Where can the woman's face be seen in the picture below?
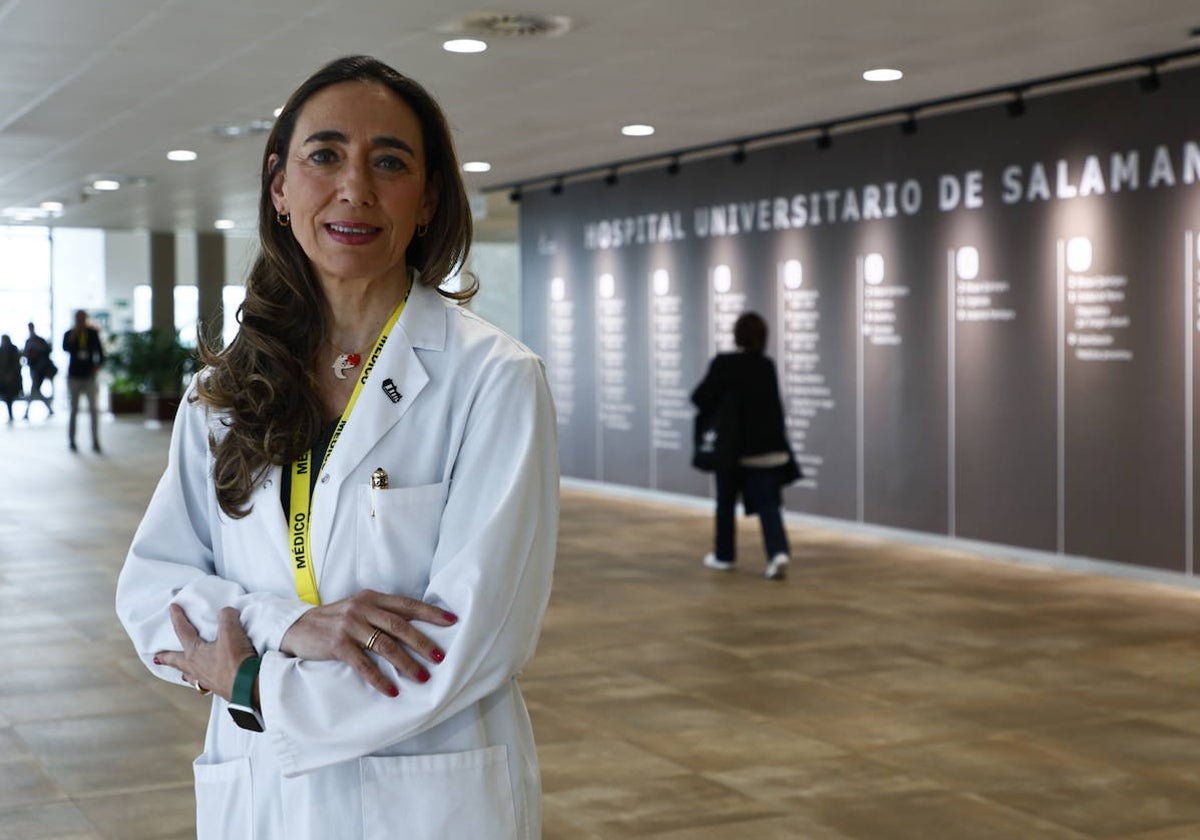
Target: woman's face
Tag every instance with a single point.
(354, 182)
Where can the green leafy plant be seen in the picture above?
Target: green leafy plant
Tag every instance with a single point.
(150, 361)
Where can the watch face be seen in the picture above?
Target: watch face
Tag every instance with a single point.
(246, 718)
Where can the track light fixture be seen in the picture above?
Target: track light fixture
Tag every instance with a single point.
(1016, 106)
(1144, 70)
(1150, 82)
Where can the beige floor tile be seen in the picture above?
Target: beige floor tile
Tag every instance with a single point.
(586, 763)
(27, 708)
(557, 826)
(11, 745)
(867, 729)
(934, 814)
(57, 739)
(773, 828)
(153, 815)
(60, 678)
(1144, 746)
(664, 713)
(50, 821)
(641, 807)
(1179, 832)
(882, 692)
(1053, 780)
(748, 745)
(801, 784)
(1128, 805)
(120, 771)
(24, 782)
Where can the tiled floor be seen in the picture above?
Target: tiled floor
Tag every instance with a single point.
(883, 692)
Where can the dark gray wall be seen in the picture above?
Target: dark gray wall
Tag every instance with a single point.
(991, 333)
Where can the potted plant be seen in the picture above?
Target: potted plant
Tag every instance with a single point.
(151, 365)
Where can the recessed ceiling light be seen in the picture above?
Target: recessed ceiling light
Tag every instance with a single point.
(52, 206)
(181, 154)
(464, 45)
(224, 224)
(637, 130)
(883, 74)
(106, 184)
(477, 166)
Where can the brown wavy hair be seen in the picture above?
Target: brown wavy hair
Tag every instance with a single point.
(263, 383)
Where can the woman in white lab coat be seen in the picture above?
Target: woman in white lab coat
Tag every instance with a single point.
(353, 541)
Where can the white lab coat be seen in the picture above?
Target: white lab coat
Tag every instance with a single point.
(469, 523)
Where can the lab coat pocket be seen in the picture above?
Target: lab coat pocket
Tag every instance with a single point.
(224, 804)
(434, 797)
(397, 535)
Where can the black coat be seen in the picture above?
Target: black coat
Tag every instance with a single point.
(748, 379)
(86, 356)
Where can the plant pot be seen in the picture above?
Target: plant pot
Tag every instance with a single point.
(126, 403)
(162, 407)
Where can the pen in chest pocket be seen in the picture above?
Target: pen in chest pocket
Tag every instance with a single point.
(379, 481)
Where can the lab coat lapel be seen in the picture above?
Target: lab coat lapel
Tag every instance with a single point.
(268, 509)
(393, 384)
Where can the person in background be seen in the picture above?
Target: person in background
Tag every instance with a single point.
(10, 373)
(764, 462)
(82, 344)
(41, 369)
(353, 543)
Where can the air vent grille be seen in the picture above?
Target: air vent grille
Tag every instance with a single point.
(512, 25)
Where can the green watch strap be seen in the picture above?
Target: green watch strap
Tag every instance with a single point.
(243, 683)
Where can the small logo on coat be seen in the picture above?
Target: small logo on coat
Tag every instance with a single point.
(389, 388)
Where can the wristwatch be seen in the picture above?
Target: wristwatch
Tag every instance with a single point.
(241, 703)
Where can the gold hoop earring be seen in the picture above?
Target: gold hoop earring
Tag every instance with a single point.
(284, 219)
(422, 230)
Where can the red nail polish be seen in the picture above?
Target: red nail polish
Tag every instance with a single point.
(422, 676)
(157, 661)
(393, 691)
(449, 616)
(436, 655)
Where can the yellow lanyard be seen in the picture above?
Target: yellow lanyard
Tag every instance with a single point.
(301, 499)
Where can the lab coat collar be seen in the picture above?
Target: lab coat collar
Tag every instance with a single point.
(392, 386)
(424, 318)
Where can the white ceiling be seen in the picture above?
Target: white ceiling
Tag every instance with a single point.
(107, 87)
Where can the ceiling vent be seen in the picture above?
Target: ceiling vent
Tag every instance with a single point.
(511, 25)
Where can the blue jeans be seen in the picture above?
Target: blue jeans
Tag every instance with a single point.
(759, 489)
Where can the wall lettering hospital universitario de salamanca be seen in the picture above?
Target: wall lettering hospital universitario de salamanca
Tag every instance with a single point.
(1093, 175)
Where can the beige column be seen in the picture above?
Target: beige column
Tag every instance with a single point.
(162, 282)
(210, 282)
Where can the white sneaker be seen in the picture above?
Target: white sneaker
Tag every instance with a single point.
(711, 562)
(777, 568)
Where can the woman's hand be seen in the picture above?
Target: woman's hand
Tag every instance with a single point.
(213, 665)
(367, 620)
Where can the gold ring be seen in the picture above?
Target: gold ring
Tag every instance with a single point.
(203, 691)
(371, 641)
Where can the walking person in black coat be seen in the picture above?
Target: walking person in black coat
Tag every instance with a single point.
(10, 373)
(756, 460)
(41, 369)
